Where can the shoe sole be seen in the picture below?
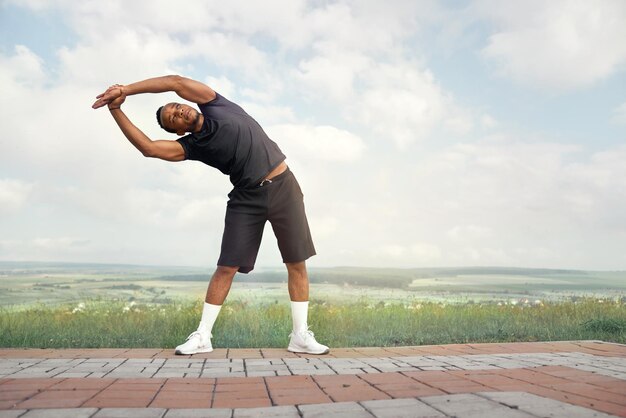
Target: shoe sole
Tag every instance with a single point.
(292, 350)
(182, 353)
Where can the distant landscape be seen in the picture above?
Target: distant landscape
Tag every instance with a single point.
(95, 305)
(24, 283)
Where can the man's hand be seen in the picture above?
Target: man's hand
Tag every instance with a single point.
(112, 94)
(116, 103)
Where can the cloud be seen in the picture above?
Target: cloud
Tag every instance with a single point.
(325, 143)
(619, 115)
(401, 102)
(14, 194)
(59, 243)
(488, 122)
(390, 158)
(398, 101)
(498, 201)
(46, 248)
(558, 45)
(469, 233)
(416, 254)
(514, 196)
(24, 68)
(332, 73)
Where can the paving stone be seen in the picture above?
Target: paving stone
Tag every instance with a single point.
(478, 367)
(302, 361)
(130, 413)
(198, 366)
(266, 367)
(138, 360)
(273, 411)
(122, 375)
(60, 413)
(91, 367)
(283, 373)
(223, 374)
(539, 406)
(199, 413)
(573, 366)
(258, 362)
(72, 375)
(312, 372)
(348, 371)
(463, 405)
(397, 408)
(148, 367)
(61, 361)
(336, 410)
(169, 374)
(11, 413)
(261, 373)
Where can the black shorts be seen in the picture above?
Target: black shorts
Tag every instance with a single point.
(281, 203)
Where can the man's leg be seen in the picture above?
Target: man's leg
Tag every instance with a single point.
(299, 294)
(220, 285)
(215, 295)
(200, 340)
(288, 219)
(301, 339)
(298, 282)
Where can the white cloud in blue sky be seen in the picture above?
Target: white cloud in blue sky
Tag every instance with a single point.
(423, 133)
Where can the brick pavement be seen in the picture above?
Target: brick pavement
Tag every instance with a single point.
(578, 378)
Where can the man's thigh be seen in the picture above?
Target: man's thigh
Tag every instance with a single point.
(245, 219)
(289, 222)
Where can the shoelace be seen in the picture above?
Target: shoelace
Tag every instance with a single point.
(194, 334)
(305, 333)
(197, 333)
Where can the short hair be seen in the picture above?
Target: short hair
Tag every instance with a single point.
(158, 116)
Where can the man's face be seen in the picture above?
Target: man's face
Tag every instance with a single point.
(179, 117)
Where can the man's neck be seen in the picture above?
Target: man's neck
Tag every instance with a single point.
(199, 124)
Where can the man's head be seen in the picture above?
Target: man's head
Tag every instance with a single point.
(179, 118)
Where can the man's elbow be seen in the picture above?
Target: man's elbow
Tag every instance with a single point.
(149, 152)
(176, 81)
(162, 154)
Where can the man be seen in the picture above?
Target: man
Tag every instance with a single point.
(224, 136)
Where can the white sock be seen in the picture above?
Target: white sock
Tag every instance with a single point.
(209, 315)
(299, 311)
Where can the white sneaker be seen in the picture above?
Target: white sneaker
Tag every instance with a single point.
(197, 342)
(304, 342)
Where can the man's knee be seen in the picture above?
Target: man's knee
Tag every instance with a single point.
(296, 269)
(225, 272)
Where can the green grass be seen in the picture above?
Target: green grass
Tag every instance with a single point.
(117, 324)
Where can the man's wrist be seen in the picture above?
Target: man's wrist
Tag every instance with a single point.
(113, 108)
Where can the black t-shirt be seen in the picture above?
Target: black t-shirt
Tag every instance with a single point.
(233, 142)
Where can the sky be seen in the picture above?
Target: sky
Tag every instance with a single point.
(423, 133)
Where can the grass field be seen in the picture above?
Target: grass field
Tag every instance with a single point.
(123, 324)
(90, 305)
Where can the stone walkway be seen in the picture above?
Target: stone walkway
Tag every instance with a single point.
(547, 379)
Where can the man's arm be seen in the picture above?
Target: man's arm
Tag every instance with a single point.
(188, 89)
(163, 149)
